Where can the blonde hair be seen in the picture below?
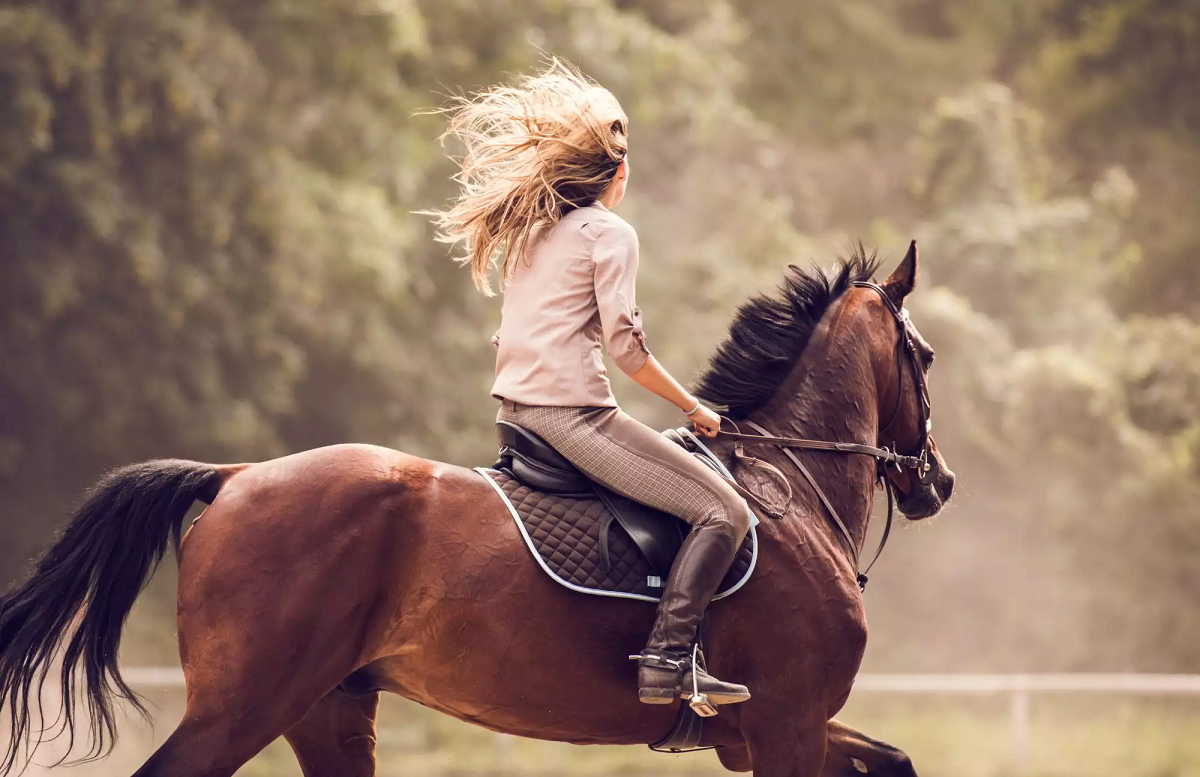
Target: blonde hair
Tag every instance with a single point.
(533, 152)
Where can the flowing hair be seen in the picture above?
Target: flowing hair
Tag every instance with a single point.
(533, 152)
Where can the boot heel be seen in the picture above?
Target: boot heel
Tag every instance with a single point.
(657, 695)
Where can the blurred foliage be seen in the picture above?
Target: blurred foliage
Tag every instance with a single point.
(207, 249)
(1072, 422)
(1120, 78)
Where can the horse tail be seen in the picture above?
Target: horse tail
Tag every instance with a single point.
(81, 593)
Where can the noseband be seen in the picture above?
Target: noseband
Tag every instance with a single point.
(924, 464)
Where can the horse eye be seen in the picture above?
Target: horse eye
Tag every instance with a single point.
(929, 357)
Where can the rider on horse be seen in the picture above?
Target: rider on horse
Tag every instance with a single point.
(545, 163)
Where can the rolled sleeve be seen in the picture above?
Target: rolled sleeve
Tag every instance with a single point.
(616, 262)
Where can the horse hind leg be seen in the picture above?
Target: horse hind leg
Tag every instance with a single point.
(337, 736)
(229, 719)
(211, 742)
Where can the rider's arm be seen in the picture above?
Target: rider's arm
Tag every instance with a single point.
(655, 377)
(615, 256)
(616, 259)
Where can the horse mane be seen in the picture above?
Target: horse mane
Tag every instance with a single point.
(769, 332)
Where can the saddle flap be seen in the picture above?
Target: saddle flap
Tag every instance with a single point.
(657, 535)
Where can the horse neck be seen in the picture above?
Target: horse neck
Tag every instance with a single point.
(830, 395)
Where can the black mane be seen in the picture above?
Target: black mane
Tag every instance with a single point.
(770, 332)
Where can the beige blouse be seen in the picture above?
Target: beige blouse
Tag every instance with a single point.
(573, 290)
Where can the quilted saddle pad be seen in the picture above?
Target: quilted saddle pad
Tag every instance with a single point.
(563, 533)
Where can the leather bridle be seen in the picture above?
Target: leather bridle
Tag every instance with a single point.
(924, 464)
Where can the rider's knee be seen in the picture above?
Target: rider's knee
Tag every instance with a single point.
(738, 514)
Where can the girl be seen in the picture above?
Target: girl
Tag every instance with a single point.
(546, 162)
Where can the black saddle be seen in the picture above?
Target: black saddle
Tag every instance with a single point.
(532, 461)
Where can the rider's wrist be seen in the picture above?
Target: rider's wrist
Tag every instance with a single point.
(694, 408)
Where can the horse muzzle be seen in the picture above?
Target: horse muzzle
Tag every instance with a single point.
(930, 493)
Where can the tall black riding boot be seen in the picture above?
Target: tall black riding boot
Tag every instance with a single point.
(665, 667)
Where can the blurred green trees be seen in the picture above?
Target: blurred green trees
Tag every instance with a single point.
(192, 239)
(207, 249)
(1121, 78)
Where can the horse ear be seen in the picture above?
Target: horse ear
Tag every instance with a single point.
(903, 279)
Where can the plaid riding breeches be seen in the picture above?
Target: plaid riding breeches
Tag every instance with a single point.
(632, 459)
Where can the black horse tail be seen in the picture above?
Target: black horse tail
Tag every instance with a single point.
(80, 594)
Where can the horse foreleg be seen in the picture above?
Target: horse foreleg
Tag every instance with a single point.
(337, 736)
(852, 753)
(735, 758)
(784, 748)
(848, 753)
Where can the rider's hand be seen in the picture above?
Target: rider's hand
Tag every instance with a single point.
(706, 421)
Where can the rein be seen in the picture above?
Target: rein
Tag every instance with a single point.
(924, 464)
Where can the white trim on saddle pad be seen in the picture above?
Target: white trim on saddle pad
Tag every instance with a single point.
(595, 591)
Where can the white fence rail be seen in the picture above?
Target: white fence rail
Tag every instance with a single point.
(1133, 684)
(1018, 687)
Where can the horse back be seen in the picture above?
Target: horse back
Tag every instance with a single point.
(330, 542)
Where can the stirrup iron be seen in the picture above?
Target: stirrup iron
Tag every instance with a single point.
(699, 701)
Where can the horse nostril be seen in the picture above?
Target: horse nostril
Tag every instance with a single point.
(945, 488)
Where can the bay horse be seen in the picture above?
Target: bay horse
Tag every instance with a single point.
(313, 582)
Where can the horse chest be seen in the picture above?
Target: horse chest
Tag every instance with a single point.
(818, 628)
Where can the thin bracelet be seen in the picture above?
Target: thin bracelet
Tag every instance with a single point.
(693, 410)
